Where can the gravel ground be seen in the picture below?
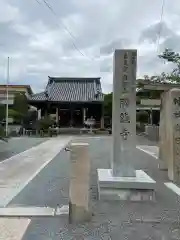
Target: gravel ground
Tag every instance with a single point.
(111, 220)
(17, 145)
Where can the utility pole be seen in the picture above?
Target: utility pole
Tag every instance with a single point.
(7, 97)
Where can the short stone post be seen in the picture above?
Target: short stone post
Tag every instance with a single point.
(79, 183)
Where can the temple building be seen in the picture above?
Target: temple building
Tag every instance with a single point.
(71, 101)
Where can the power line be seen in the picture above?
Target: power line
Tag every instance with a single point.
(38, 2)
(160, 25)
(52, 10)
(47, 4)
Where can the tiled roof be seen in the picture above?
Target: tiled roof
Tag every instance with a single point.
(71, 90)
(38, 97)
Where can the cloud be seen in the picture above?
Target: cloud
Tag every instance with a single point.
(8, 12)
(115, 44)
(81, 38)
(152, 32)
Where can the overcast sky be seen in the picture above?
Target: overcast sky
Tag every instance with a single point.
(39, 44)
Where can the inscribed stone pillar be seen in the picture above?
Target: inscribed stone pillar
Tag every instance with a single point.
(173, 134)
(79, 183)
(124, 112)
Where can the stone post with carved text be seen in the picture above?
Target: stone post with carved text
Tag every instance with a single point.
(124, 112)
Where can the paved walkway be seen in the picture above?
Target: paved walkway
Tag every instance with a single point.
(17, 145)
(151, 150)
(117, 220)
(17, 171)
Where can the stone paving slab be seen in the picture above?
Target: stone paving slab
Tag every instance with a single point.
(13, 229)
(17, 145)
(27, 212)
(17, 172)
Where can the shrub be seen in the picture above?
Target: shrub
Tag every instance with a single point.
(45, 123)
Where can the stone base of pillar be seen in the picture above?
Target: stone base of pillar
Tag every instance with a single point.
(138, 188)
(78, 214)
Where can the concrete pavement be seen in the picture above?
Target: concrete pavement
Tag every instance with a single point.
(117, 220)
(17, 171)
(17, 145)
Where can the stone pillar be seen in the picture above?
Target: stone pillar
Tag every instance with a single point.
(124, 112)
(79, 183)
(173, 134)
(57, 115)
(122, 182)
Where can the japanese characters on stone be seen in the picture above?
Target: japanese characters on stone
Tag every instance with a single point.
(124, 102)
(125, 83)
(124, 133)
(124, 116)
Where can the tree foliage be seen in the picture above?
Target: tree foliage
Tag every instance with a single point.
(20, 104)
(30, 120)
(2, 112)
(45, 123)
(172, 57)
(2, 117)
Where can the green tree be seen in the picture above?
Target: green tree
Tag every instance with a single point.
(2, 117)
(2, 112)
(20, 104)
(45, 123)
(172, 57)
(17, 116)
